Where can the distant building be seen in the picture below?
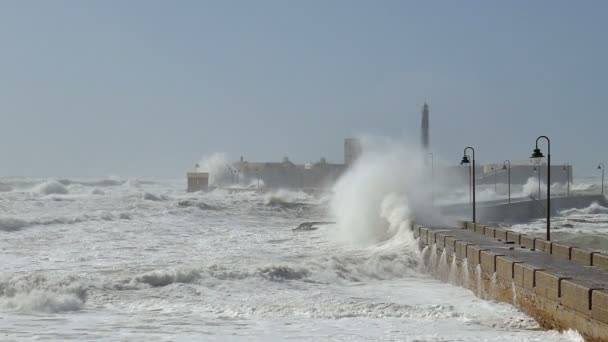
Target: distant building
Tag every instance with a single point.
(197, 181)
(286, 174)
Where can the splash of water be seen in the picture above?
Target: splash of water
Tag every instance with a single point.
(453, 277)
(480, 290)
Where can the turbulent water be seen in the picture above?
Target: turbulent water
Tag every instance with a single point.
(142, 260)
(587, 227)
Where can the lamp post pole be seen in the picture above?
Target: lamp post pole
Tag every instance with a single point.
(508, 168)
(537, 154)
(602, 167)
(465, 160)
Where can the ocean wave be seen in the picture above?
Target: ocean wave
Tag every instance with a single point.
(594, 209)
(166, 277)
(153, 197)
(329, 270)
(51, 188)
(5, 187)
(94, 183)
(39, 293)
(197, 204)
(285, 199)
(333, 309)
(281, 273)
(9, 224)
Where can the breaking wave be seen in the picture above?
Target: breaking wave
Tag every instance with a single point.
(9, 224)
(368, 265)
(38, 293)
(286, 199)
(94, 183)
(152, 197)
(335, 309)
(195, 204)
(51, 188)
(594, 209)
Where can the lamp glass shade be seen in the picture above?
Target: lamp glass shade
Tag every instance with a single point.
(465, 160)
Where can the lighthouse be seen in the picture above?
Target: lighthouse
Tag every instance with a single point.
(425, 127)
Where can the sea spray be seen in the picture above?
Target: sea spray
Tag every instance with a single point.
(433, 259)
(425, 255)
(372, 202)
(442, 268)
(493, 285)
(465, 273)
(453, 276)
(479, 282)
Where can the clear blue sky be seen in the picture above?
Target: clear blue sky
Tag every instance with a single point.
(146, 88)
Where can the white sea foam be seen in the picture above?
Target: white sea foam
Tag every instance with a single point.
(51, 187)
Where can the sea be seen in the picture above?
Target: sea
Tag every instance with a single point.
(115, 259)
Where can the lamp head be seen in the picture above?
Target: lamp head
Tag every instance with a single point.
(504, 166)
(465, 160)
(599, 167)
(537, 154)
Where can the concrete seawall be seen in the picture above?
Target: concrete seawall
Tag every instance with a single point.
(562, 287)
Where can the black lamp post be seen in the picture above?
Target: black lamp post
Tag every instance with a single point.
(566, 169)
(508, 168)
(465, 160)
(602, 167)
(537, 154)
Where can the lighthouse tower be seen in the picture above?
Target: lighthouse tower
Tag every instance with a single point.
(425, 127)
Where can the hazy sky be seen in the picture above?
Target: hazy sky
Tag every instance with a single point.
(147, 88)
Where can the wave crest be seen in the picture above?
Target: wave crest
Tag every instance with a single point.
(39, 293)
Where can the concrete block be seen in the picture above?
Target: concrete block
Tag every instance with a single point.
(432, 234)
(548, 284)
(577, 295)
(450, 244)
(500, 234)
(505, 267)
(479, 228)
(488, 261)
(542, 245)
(561, 251)
(513, 236)
(416, 231)
(461, 249)
(526, 241)
(599, 305)
(524, 275)
(489, 231)
(581, 256)
(471, 226)
(474, 255)
(440, 239)
(600, 261)
(424, 237)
